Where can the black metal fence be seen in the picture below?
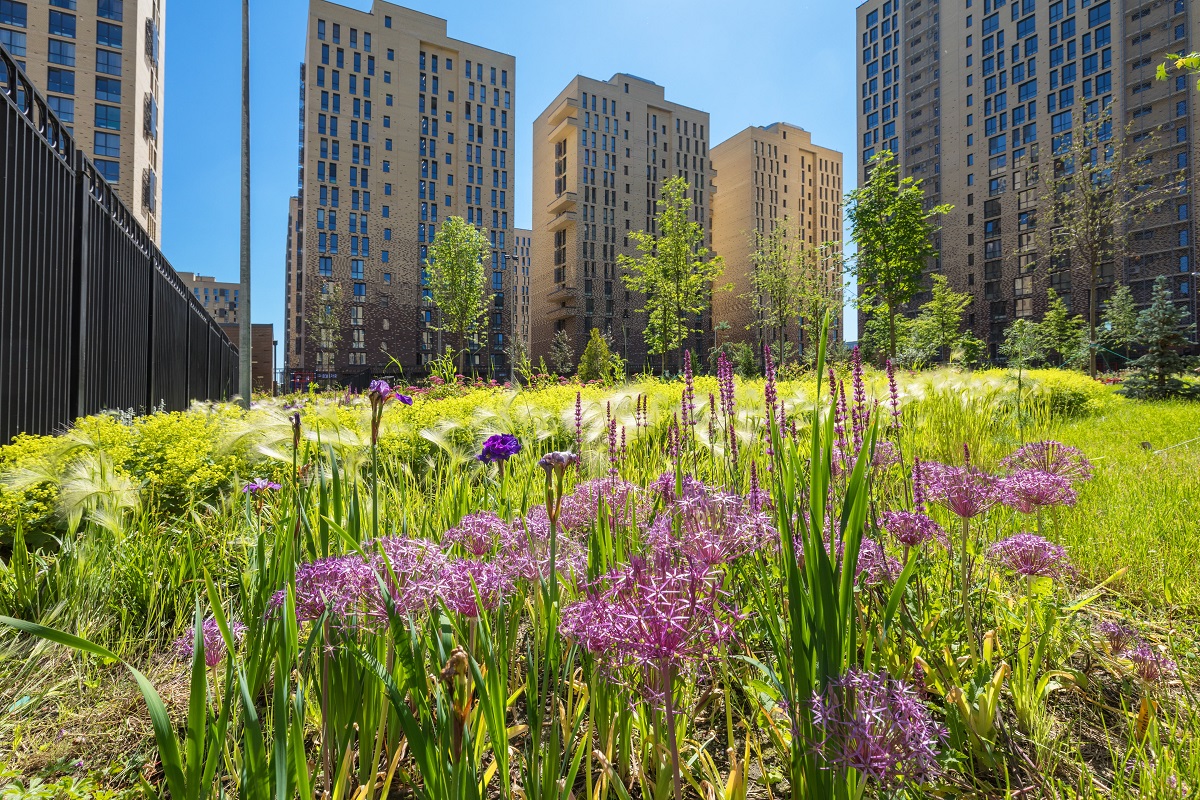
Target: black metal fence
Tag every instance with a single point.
(92, 316)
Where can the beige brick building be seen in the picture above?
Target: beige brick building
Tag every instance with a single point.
(402, 127)
(100, 65)
(520, 264)
(601, 152)
(766, 176)
(975, 97)
(220, 298)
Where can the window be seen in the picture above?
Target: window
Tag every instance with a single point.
(108, 89)
(1098, 14)
(63, 108)
(60, 80)
(13, 13)
(109, 9)
(62, 53)
(108, 34)
(108, 62)
(108, 117)
(62, 24)
(109, 170)
(13, 42)
(108, 144)
(325, 267)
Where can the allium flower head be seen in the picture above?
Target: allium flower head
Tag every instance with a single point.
(339, 585)
(911, 528)
(709, 527)
(623, 502)
(875, 566)
(1027, 490)
(878, 726)
(471, 587)
(477, 533)
(1150, 665)
(963, 491)
(1119, 637)
(1030, 555)
(259, 485)
(214, 643)
(526, 549)
(499, 447)
(1053, 457)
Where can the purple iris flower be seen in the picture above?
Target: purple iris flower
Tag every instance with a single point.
(259, 485)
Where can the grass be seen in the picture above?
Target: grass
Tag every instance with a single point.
(122, 533)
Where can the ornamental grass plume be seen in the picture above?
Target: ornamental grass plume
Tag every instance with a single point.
(1053, 457)
(877, 726)
(1030, 555)
(1030, 490)
(214, 642)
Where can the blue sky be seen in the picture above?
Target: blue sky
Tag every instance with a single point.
(746, 63)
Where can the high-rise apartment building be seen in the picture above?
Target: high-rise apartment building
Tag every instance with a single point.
(401, 128)
(518, 292)
(220, 298)
(601, 153)
(975, 96)
(100, 65)
(768, 176)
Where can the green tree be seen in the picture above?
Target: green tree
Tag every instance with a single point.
(1063, 333)
(1095, 194)
(1022, 348)
(596, 362)
(457, 280)
(1118, 324)
(673, 271)
(562, 353)
(894, 234)
(939, 326)
(325, 324)
(1161, 331)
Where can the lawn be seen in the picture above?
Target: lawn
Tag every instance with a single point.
(738, 589)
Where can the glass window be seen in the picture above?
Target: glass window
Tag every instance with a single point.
(108, 117)
(62, 53)
(108, 34)
(13, 13)
(63, 108)
(13, 42)
(67, 4)
(108, 62)
(108, 144)
(109, 170)
(109, 9)
(108, 89)
(60, 80)
(62, 24)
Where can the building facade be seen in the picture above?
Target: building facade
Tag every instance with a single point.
(975, 96)
(601, 152)
(764, 177)
(401, 128)
(262, 353)
(220, 298)
(520, 263)
(100, 65)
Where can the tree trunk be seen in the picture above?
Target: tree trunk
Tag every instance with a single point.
(891, 331)
(1092, 323)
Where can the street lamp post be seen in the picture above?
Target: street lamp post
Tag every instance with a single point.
(244, 329)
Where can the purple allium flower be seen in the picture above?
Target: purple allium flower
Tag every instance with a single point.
(499, 447)
(477, 533)
(912, 528)
(662, 615)
(341, 585)
(1119, 637)
(526, 549)
(214, 643)
(709, 527)
(1150, 665)
(623, 501)
(259, 485)
(418, 565)
(885, 455)
(1053, 457)
(1027, 490)
(874, 565)
(878, 726)
(1030, 555)
(472, 587)
(963, 491)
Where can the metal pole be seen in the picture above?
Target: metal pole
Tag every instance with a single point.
(244, 329)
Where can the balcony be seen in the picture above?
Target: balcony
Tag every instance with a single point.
(562, 220)
(560, 131)
(563, 293)
(564, 311)
(563, 110)
(564, 202)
